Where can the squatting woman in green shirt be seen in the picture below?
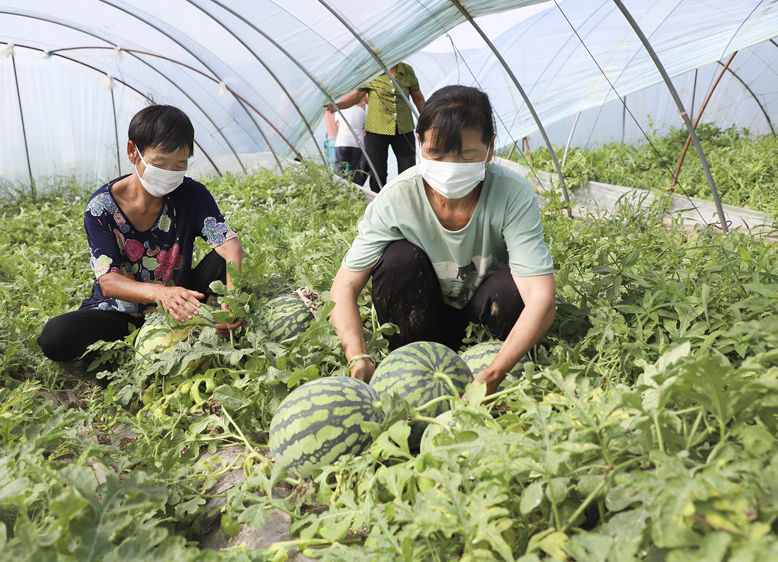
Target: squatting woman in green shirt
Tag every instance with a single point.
(454, 240)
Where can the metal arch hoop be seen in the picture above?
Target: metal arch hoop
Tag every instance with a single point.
(24, 129)
(158, 30)
(699, 116)
(91, 34)
(372, 52)
(308, 75)
(753, 95)
(524, 97)
(116, 133)
(122, 82)
(681, 110)
(237, 97)
(240, 98)
(273, 75)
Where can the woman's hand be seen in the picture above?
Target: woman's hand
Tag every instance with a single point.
(348, 101)
(181, 303)
(223, 330)
(490, 379)
(363, 370)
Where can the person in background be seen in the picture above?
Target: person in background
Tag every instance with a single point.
(349, 157)
(454, 241)
(141, 230)
(389, 120)
(329, 141)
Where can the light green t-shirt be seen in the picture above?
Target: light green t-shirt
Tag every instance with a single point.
(504, 231)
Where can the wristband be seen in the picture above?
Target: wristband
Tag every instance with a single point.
(358, 357)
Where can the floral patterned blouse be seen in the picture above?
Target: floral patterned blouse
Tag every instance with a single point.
(161, 254)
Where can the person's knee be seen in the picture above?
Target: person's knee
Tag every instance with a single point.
(404, 256)
(55, 342)
(497, 304)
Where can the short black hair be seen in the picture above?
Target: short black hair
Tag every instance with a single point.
(453, 109)
(161, 126)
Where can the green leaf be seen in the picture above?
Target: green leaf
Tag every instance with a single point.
(393, 442)
(255, 516)
(232, 398)
(531, 498)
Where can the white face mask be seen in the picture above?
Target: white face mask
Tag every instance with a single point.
(453, 180)
(158, 181)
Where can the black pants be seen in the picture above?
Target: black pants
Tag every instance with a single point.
(350, 160)
(67, 336)
(406, 292)
(377, 148)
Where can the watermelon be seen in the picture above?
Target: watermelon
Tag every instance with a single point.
(413, 372)
(286, 316)
(320, 421)
(159, 333)
(481, 355)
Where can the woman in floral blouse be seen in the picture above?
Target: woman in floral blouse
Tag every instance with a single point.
(141, 230)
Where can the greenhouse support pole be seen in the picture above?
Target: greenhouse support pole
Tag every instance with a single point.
(24, 129)
(697, 121)
(623, 120)
(113, 46)
(694, 94)
(523, 96)
(513, 148)
(122, 82)
(132, 14)
(569, 139)
(753, 95)
(116, 134)
(358, 37)
(272, 75)
(308, 75)
(681, 110)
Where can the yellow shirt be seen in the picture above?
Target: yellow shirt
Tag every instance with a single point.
(387, 112)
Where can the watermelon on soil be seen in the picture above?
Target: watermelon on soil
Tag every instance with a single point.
(320, 421)
(481, 355)
(285, 316)
(414, 373)
(159, 333)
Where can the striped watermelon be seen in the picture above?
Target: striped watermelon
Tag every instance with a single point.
(159, 333)
(285, 316)
(319, 422)
(413, 372)
(481, 355)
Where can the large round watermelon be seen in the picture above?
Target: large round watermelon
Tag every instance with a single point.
(320, 421)
(414, 373)
(481, 355)
(285, 316)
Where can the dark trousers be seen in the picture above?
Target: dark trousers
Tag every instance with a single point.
(350, 160)
(406, 292)
(377, 148)
(67, 336)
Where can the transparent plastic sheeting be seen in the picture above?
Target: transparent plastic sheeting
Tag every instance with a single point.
(251, 74)
(561, 77)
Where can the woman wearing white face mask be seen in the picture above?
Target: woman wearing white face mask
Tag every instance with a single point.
(451, 241)
(141, 230)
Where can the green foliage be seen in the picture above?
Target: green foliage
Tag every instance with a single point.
(643, 427)
(745, 169)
